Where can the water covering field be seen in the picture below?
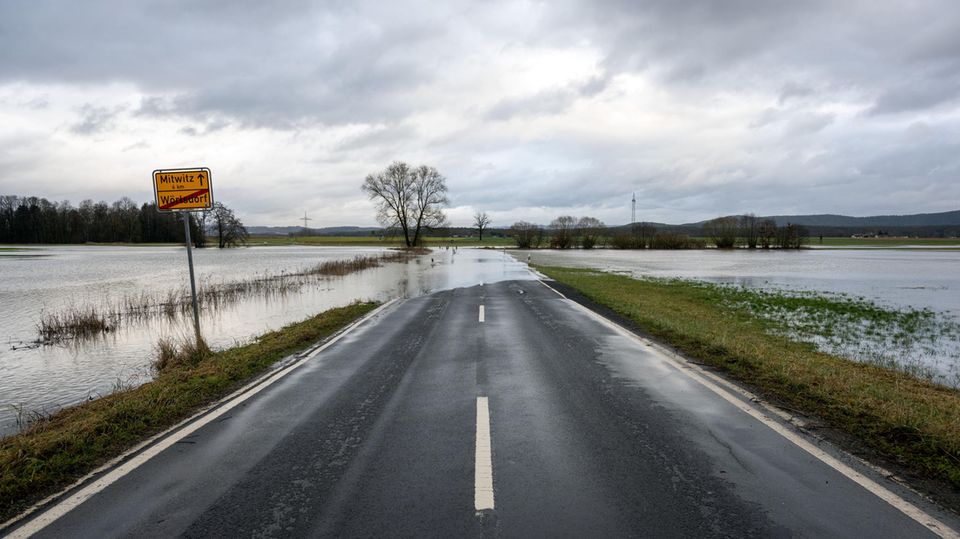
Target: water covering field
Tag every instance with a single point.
(254, 290)
(896, 308)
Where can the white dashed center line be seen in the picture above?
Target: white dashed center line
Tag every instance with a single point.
(481, 313)
(483, 471)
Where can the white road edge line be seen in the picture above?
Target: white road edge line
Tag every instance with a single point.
(483, 469)
(481, 314)
(186, 428)
(713, 383)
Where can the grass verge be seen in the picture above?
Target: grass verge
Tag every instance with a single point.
(911, 422)
(53, 452)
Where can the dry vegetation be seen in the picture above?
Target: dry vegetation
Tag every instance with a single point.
(75, 322)
(177, 354)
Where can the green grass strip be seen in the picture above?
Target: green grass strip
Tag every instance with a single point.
(910, 421)
(54, 452)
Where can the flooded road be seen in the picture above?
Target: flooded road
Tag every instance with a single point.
(33, 281)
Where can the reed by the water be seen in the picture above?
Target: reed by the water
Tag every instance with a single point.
(96, 319)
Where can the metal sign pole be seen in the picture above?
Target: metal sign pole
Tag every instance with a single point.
(183, 190)
(193, 286)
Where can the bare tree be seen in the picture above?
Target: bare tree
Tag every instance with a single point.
(643, 234)
(230, 230)
(564, 232)
(750, 229)
(409, 199)
(792, 236)
(481, 221)
(430, 196)
(722, 231)
(766, 233)
(198, 227)
(590, 229)
(527, 235)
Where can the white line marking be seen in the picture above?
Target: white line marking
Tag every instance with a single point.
(231, 401)
(483, 470)
(713, 382)
(481, 313)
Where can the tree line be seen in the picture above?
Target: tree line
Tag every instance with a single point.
(38, 220)
(567, 231)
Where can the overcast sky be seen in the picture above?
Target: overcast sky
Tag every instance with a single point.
(531, 109)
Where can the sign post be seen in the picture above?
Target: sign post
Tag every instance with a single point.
(184, 190)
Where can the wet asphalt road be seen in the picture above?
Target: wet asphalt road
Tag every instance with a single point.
(593, 434)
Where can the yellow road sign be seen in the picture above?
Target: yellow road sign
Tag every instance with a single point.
(183, 189)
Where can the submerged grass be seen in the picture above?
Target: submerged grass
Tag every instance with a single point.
(58, 449)
(92, 320)
(75, 322)
(912, 421)
(921, 342)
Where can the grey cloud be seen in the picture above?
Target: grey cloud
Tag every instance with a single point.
(94, 119)
(383, 138)
(808, 123)
(139, 145)
(917, 95)
(37, 103)
(302, 64)
(768, 116)
(546, 102)
(792, 90)
(249, 62)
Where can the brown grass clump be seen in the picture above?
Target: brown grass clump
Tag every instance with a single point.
(188, 352)
(74, 322)
(362, 262)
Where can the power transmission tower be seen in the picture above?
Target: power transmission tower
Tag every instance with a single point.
(305, 219)
(633, 209)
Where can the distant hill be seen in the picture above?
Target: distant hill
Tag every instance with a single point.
(943, 224)
(890, 221)
(947, 218)
(920, 224)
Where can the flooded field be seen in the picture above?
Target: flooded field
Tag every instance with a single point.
(923, 284)
(905, 278)
(37, 281)
(42, 377)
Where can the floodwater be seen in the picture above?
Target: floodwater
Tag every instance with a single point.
(49, 279)
(892, 278)
(896, 278)
(43, 378)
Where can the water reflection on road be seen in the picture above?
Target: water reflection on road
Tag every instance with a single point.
(43, 378)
